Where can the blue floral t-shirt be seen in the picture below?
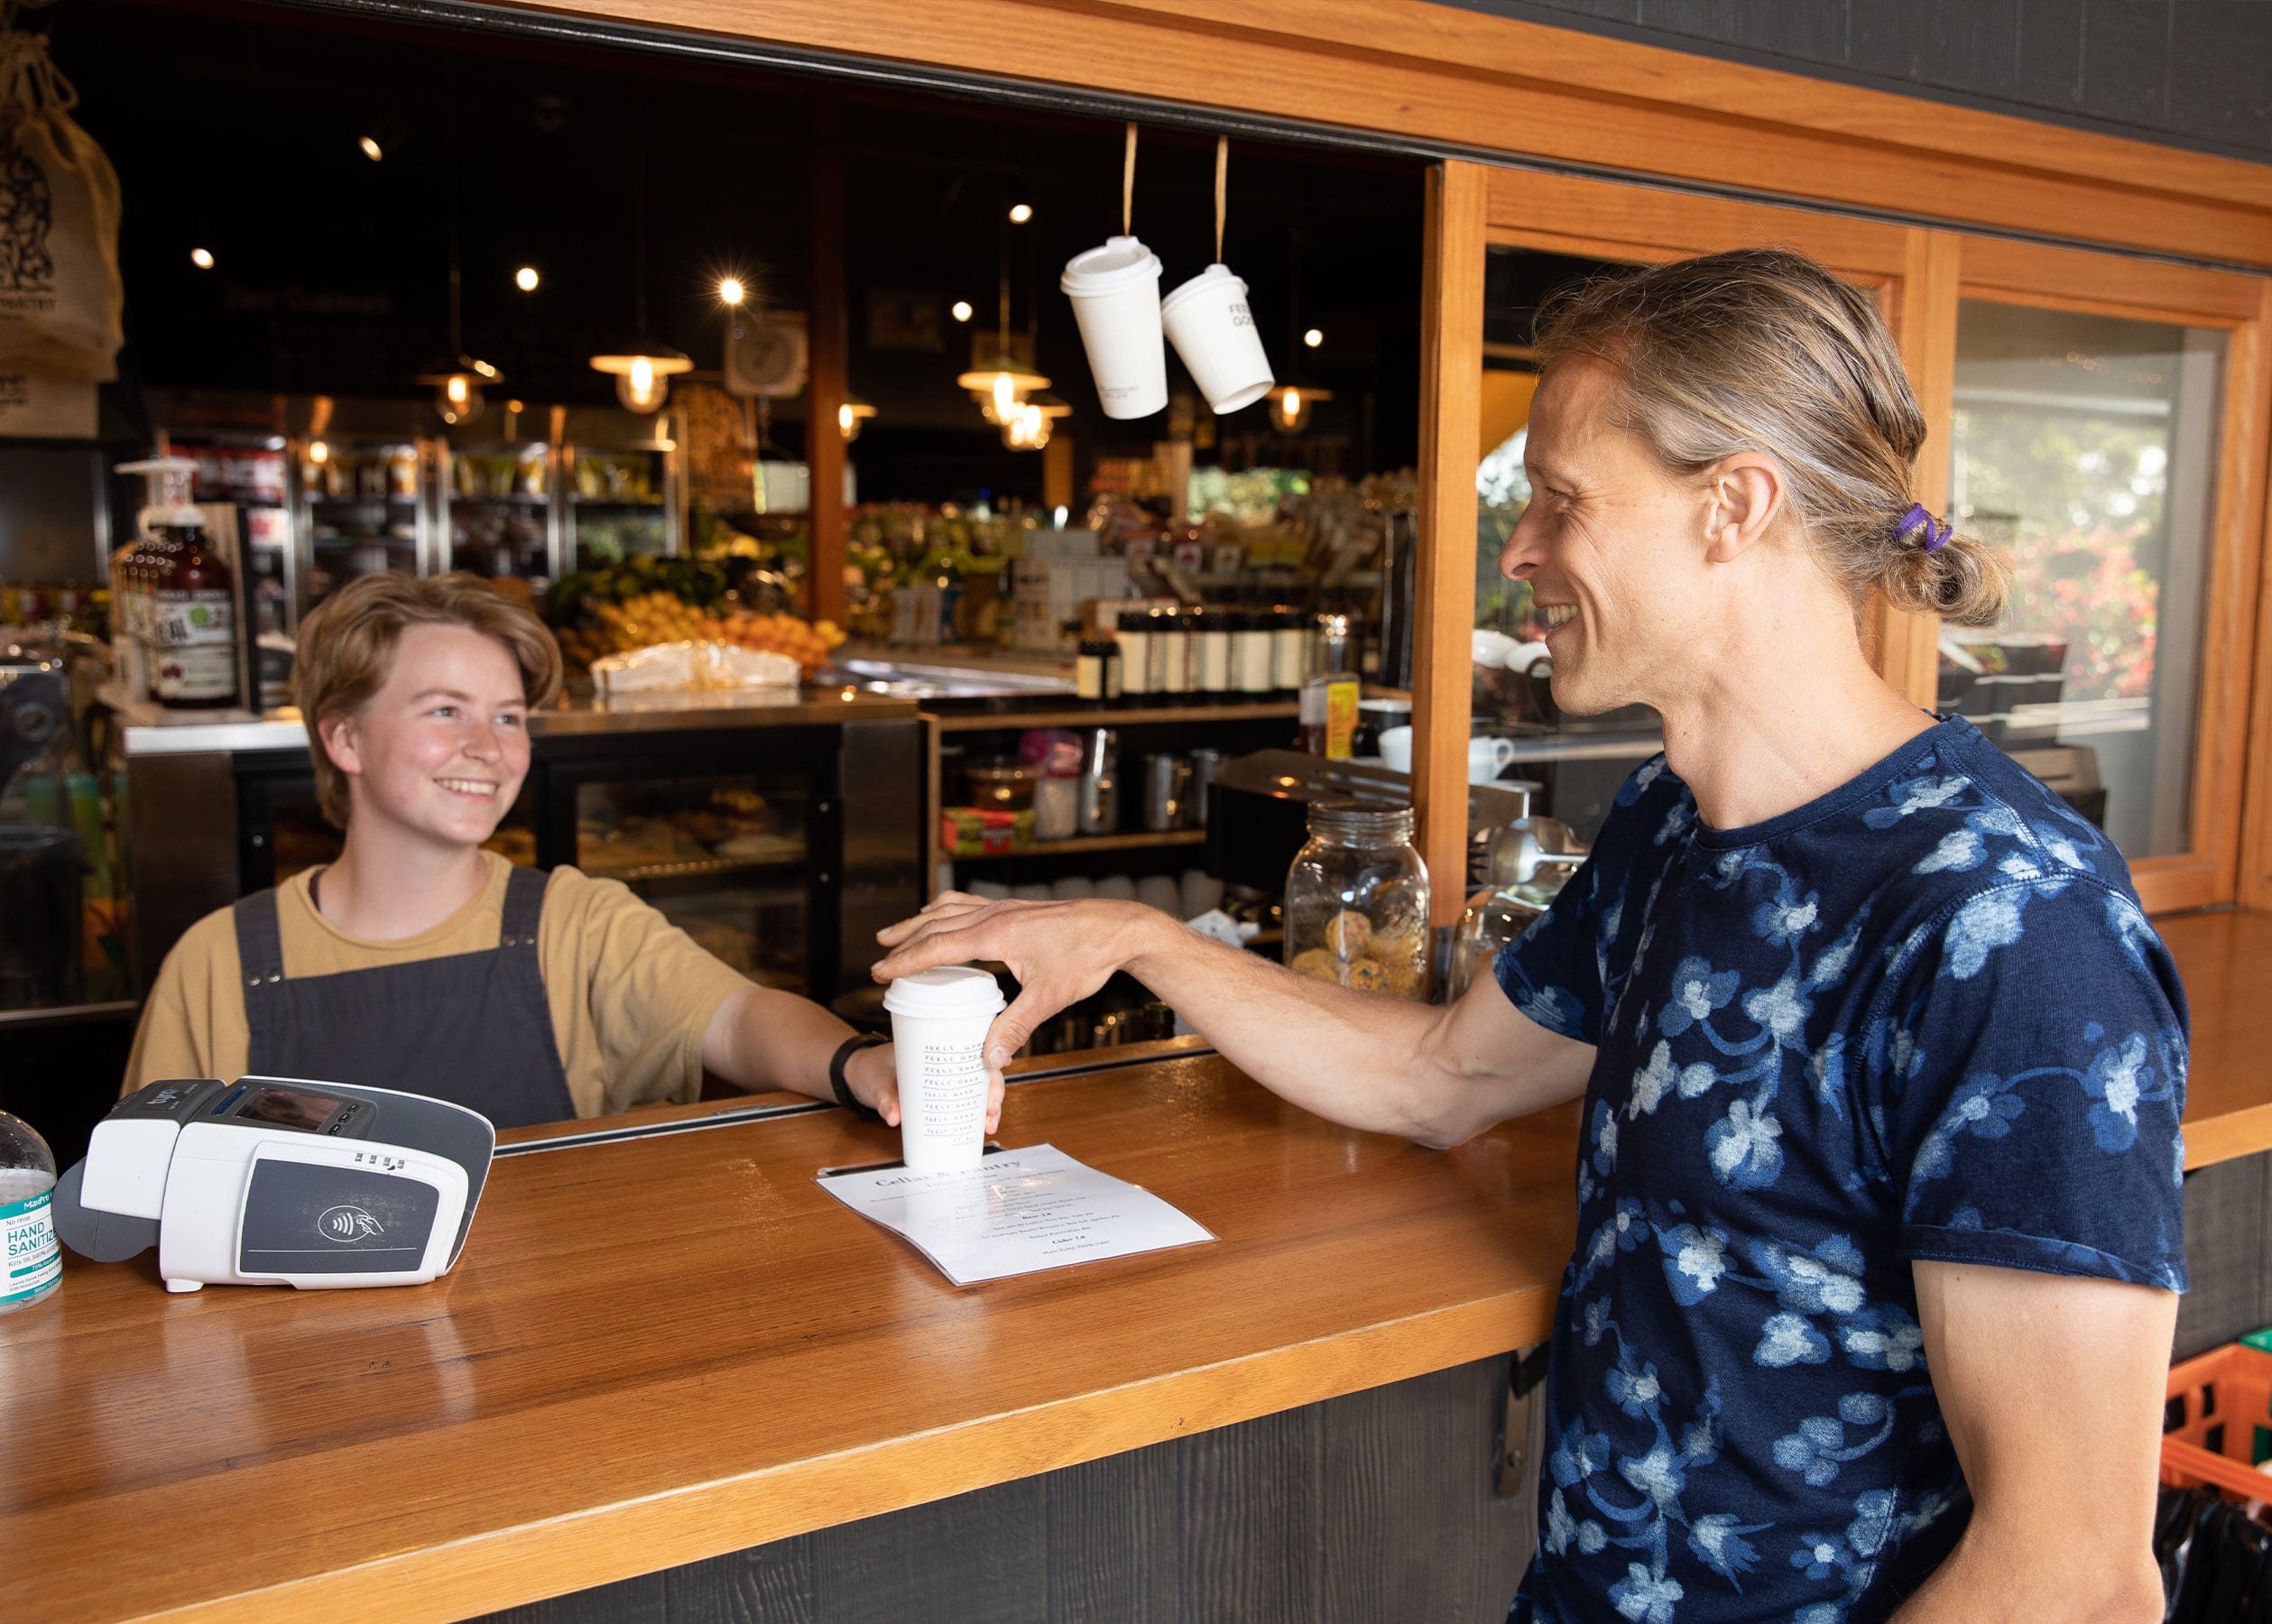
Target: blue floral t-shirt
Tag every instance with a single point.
(1921, 1016)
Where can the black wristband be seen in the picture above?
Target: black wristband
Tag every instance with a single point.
(845, 1051)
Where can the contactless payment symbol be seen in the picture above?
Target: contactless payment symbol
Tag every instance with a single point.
(347, 1224)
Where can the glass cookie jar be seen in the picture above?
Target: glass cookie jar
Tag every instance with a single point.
(1357, 902)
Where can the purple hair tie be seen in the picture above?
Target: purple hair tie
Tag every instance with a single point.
(1935, 534)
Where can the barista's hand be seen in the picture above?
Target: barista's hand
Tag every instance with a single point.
(1060, 952)
(873, 1076)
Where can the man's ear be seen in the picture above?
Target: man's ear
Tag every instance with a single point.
(337, 732)
(1745, 496)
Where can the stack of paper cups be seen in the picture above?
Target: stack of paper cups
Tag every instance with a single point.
(1115, 294)
(1213, 330)
(939, 1021)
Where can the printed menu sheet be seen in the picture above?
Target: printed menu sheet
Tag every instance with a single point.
(1017, 1212)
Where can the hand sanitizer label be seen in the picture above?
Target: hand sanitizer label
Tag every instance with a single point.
(30, 1258)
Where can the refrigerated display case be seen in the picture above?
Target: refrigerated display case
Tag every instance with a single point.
(496, 509)
(361, 506)
(733, 821)
(621, 496)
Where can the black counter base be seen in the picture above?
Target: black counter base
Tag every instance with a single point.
(1377, 1506)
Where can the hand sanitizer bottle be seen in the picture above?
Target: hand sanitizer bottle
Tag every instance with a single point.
(31, 1260)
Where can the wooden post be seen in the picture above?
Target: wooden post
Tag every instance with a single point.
(1907, 648)
(1450, 418)
(825, 382)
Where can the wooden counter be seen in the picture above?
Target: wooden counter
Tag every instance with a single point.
(2226, 960)
(664, 1349)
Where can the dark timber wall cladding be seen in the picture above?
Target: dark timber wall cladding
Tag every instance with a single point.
(2193, 73)
(1382, 1508)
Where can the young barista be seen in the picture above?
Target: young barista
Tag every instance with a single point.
(1882, 1065)
(417, 960)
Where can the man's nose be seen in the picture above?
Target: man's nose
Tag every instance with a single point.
(1518, 558)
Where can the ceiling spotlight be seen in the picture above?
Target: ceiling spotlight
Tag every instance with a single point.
(370, 147)
(202, 258)
(1313, 338)
(526, 279)
(961, 312)
(1020, 213)
(731, 291)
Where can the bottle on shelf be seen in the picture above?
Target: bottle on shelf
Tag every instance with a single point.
(1252, 648)
(1177, 638)
(189, 619)
(1214, 683)
(1289, 651)
(1133, 635)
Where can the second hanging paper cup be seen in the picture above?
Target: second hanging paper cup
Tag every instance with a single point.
(1115, 294)
(1212, 329)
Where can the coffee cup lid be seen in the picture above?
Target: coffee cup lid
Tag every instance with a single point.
(1212, 277)
(951, 989)
(1122, 263)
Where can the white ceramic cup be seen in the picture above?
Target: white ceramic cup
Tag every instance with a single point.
(939, 1021)
(1396, 748)
(1208, 322)
(1115, 294)
(1486, 758)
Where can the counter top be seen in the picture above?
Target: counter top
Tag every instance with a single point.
(2226, 960)
(149, 733)
(662, 1349)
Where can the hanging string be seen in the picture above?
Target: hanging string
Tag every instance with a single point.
(1128, 185)
(1221, 176)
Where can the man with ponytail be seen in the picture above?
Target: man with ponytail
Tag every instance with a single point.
(1882, 1064)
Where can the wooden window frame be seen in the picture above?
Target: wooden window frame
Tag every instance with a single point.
(1920, 275)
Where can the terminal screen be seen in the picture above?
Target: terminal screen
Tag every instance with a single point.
(289, 1108)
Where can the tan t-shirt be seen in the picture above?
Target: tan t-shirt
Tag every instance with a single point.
(631, 995)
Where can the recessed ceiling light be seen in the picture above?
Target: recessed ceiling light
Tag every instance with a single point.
(202, 258)
(1313, 338)
(961, 312)
(370, 147)
(526, 279)
(731, 291)
(1020, 213)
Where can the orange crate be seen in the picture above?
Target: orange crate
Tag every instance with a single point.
(2227, 1394)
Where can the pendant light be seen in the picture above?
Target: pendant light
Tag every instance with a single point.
(1290, 402)
(1031, 424)
(457, 378)
(1001, 382)
(642, 365)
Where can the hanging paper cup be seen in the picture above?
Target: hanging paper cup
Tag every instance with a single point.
(1115, 294)
(1213, 330)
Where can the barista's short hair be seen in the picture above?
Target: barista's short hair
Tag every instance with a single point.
(348, 643)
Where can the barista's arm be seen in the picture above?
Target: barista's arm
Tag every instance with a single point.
(761, 1039)
(1438, 1075)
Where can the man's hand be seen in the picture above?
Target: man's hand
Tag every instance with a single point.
(2063, 1515)
(1438, 1075)
(1060, 952)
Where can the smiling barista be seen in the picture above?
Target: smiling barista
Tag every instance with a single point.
(418, 960)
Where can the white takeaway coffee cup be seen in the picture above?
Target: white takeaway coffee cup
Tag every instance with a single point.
(1208, 322)
(939, 1021)
(1115, 294)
